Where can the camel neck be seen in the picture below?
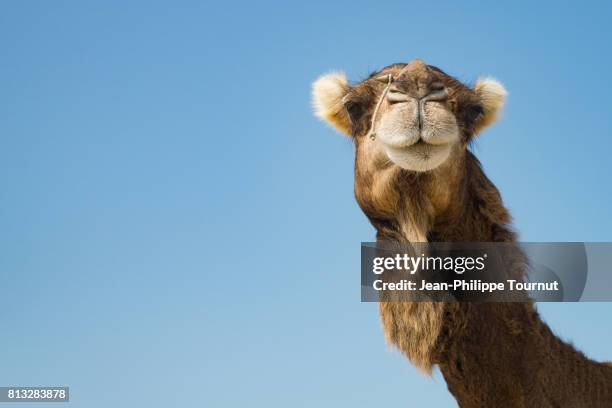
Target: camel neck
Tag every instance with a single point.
(517, 362)
(491, 354)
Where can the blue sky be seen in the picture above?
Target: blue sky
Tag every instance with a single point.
(177, 228)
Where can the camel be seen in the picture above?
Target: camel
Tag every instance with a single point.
(416, 180)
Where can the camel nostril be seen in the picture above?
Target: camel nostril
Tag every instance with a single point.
(436, 86)
(395, 95)
(436, 94)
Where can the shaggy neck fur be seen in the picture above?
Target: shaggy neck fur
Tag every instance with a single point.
(492, 354)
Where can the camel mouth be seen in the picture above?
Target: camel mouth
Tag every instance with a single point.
(418, 139)
(422, 144)
(420, 156)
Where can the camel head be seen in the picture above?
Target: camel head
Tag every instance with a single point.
(411, 125)
(414, 115)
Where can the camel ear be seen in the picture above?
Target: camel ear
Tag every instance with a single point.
(327, 100)
(492, 94)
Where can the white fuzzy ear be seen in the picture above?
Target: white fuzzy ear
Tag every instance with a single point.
(327, 94)
(493, 96)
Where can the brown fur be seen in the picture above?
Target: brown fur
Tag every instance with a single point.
(491, 355)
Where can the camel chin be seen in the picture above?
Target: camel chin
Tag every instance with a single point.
(420, 157)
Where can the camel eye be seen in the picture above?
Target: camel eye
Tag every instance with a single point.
(354, 110)
(472, 113)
